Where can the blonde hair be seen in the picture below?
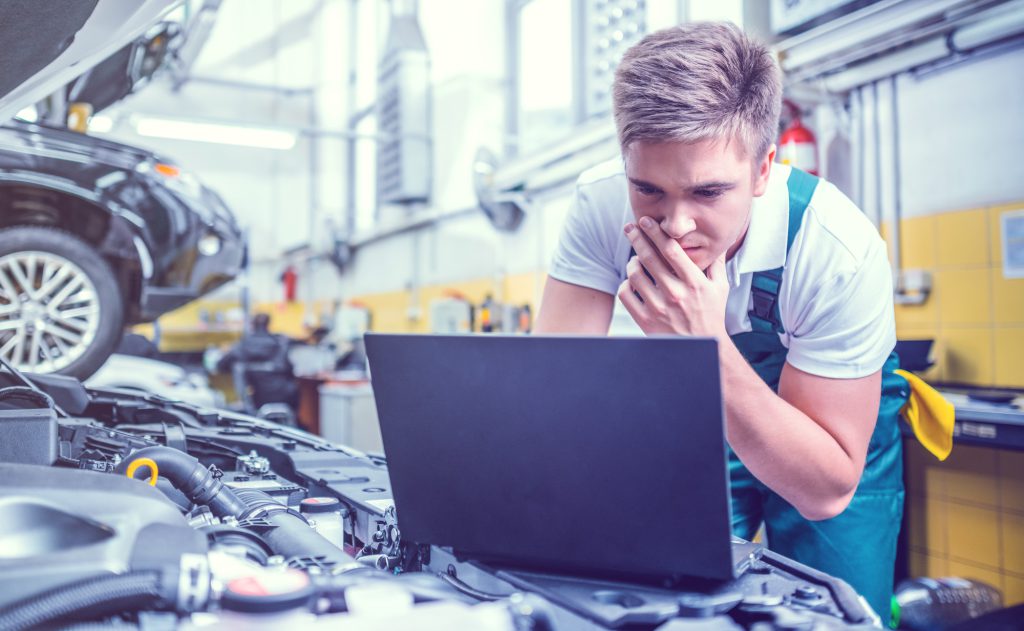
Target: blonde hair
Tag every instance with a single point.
(695, 82)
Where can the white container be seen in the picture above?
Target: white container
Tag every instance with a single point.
(348, 416)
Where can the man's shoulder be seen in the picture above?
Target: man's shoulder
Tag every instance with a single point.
(608, 175)
(836, 222)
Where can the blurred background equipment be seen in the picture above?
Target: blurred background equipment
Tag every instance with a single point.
(797, 145)
(933, 604)
(262, 372)
(145, 375)
(452, 314)
(404, 153)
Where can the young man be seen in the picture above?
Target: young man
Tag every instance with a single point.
(696, 232)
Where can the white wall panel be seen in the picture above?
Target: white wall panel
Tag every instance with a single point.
(962, 135)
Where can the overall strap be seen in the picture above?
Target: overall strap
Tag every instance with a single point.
(764, 287)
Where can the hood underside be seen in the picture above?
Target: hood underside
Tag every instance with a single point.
(48, 44)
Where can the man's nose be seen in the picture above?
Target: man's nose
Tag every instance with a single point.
(678, 223)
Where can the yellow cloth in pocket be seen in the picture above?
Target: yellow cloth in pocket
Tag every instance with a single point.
(930, 415)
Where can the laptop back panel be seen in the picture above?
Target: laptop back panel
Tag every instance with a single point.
(595, 456)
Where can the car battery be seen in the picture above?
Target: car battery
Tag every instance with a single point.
(278, 488)
(28, 436)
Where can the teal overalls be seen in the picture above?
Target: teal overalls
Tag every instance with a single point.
(859, 545)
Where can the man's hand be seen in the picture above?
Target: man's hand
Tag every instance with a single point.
(681, 299)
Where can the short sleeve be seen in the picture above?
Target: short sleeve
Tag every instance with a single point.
(846, 328)
(585, 254)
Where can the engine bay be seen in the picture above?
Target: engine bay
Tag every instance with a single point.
(132, 511)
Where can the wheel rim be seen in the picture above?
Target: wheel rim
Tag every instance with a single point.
(49, 311)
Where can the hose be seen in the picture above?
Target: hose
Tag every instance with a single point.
(472, 592)
(291, 535)
(102, 626)
(255, 547)
(190, 477)
(87, 599)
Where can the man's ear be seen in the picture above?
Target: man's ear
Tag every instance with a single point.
(762, 172)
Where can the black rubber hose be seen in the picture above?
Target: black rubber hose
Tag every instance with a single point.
(102, 626)
(190, 477)
(222, 535)
(291, 535)
(88, 599)
(472, 592)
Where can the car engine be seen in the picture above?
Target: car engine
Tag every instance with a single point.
(124, 510)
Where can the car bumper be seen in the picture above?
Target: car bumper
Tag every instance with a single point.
(208, 273)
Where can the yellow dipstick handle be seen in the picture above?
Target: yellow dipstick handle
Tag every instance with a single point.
(144, 462)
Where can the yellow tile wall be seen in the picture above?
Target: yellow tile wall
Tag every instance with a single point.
(409, 311)
(182, 330)
(975, 315)
(965, 516)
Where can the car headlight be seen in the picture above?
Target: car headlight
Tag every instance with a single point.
(209, 244)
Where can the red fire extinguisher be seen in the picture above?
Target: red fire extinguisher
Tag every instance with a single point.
(797, 146)
(289, 278)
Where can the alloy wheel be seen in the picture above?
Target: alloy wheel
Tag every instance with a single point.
(49, 311)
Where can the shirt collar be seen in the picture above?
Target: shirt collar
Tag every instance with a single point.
(764, 247)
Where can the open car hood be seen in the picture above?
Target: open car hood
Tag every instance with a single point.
(49, 44)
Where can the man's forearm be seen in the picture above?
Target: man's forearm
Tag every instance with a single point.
(783, 447)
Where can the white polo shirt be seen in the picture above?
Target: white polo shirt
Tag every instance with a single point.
(836, 295)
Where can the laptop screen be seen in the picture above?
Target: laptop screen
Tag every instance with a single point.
(593, 456)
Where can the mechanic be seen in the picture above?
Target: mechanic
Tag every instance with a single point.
(697, 232)
(266, 367)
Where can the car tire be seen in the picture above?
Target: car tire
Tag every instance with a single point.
(70, 318)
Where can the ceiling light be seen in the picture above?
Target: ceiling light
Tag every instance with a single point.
(261, 137)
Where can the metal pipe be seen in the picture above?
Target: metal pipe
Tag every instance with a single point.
(199, 28)
(512, 77)
(878, 154)
(314, 171)
(353, 121)
(857, 117)
(897, 253)
(956, 15)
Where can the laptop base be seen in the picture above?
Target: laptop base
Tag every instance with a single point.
(768, 587)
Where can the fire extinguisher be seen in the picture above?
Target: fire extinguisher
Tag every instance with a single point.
(797, 146)
(289, 278)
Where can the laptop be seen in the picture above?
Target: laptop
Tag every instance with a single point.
(600, 457)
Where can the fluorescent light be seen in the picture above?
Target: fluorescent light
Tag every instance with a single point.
(100, 124)
(213, 132)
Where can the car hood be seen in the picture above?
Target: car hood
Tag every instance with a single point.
(121, 368)
(49, 44)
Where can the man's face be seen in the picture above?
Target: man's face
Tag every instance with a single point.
(699, 193)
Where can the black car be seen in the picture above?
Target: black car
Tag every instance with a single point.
(96, 235)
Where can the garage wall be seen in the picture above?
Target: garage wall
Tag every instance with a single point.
(283, 50)
(965, 516)
(960, 134)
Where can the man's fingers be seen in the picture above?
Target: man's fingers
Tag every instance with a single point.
(631, 302)
(643, 285)
(648, 254)
(670, 250)
(716, 273)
